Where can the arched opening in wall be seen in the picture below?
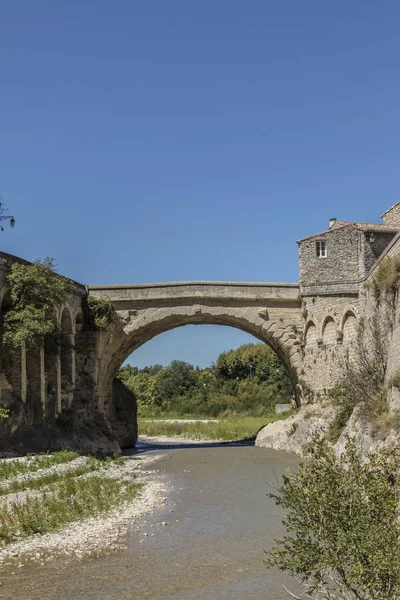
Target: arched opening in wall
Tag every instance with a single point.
(328, 351)
(310, 335)
(310, 348)
(350, 335)
(208, 372)
(329, 333)
(67, 357)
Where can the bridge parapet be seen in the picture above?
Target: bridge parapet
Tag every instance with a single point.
(268, 294)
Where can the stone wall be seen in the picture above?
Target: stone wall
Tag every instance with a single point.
(387, 311)
(392, 216)
(330, 329)
(339, 271)
(51, 392)
(372, 246)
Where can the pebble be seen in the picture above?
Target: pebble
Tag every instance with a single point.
(95, 534)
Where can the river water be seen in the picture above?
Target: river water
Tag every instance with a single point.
(219, 522)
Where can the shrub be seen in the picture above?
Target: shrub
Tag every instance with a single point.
(37, 292)
(99, 312)
(341, 515)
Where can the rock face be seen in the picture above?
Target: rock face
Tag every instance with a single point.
(124, 418)
(97, 435)
(367, 439)
(93, 437)
(291, 434)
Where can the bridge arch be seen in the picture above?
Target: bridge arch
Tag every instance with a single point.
(135, 328)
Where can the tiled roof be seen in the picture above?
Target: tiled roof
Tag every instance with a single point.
(378, 227)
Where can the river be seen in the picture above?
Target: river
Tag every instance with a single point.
(218, 523)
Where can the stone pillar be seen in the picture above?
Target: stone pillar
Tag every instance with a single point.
(73, 360)
(24, 381)
(58, 394)
(42, 379)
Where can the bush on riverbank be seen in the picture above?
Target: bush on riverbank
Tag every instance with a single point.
(342, 518)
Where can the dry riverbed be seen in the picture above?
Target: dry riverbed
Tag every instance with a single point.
(30, 484)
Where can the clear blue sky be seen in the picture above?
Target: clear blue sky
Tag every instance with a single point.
(158, 141)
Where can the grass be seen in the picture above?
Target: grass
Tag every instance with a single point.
(13, 468)
(232, 429)
(69, 500)
(89, 466)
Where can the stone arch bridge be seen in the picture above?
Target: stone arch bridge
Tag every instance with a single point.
(269, 311)
(73, 385)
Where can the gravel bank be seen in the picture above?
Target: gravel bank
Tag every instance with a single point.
(98, 534)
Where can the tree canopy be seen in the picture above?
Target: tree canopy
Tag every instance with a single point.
(37, 292)
(225, 388)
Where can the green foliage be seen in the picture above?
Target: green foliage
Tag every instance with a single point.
(387, 278)
(100, 312)
(127, 373)
(177, 380)
(54, 498)
(35, 462)
(364, 381)
(342, 520)
(257, 361)
(4, 413)
(37, 292)
(231, 429)
(227, 389)
(70, 500)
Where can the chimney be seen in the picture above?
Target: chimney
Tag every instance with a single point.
(332, 221)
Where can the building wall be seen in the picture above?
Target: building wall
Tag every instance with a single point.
(330, 325)
(339, 271)
(371, 250)
(392, 216)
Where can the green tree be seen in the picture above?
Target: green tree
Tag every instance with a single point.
(127, 373)
(178, 379)
(37, 292)
(342, 518)
(255, 361)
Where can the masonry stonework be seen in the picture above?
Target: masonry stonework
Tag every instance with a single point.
(68, 397)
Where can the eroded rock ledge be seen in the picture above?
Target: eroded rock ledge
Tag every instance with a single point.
(291, 434)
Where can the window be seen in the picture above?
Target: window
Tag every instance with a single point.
(321, 249)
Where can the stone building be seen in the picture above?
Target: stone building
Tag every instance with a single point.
(335, 265)
(336, 260)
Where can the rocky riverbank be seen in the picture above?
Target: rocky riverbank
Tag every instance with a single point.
(103, 532)
(291, 434)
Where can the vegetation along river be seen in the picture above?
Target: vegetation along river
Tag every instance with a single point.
(218, 523)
